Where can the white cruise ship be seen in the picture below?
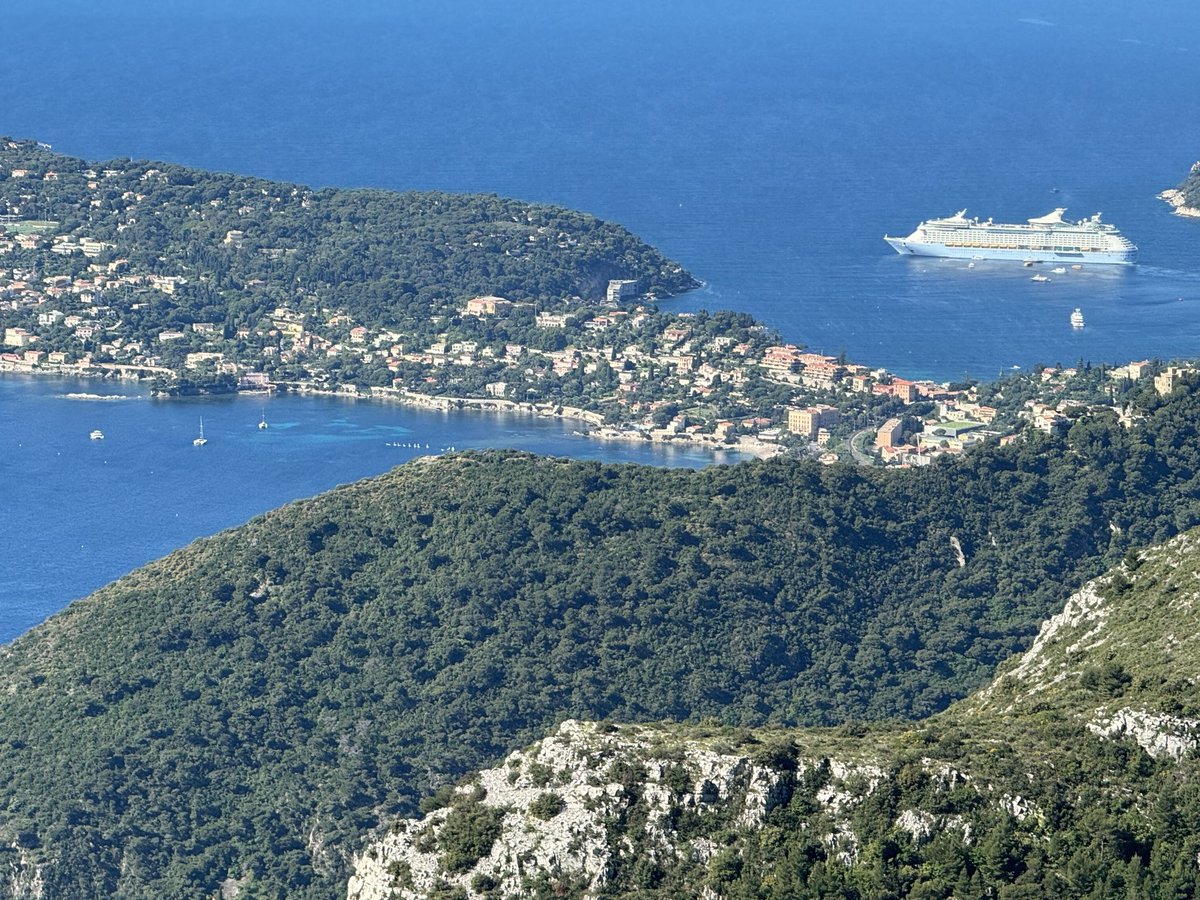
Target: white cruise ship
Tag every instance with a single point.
(1049, 238)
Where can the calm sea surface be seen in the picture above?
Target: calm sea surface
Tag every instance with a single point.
(767, 146)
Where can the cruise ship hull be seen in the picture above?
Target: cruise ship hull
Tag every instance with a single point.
(909, 247)
(1048, 238)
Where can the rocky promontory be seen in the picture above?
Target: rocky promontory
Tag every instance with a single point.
(1186, 197)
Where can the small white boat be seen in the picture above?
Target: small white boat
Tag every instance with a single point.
(1027, 263)
(97, 435)
(1076, 266)
(201, 440)
(970, 265)
(1077, 318)
(1040, 279)
(1059, 270)
(262, 426)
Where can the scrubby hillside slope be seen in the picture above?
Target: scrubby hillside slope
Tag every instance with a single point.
(1074, 774)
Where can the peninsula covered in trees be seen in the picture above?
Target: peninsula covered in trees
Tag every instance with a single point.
(208, 282)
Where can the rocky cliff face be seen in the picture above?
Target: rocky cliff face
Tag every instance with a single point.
(549, 814)
(591, 805)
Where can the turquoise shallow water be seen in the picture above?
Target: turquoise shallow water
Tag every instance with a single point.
(79, 513)
(768, 146)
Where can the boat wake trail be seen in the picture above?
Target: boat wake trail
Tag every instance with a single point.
(1173, 274)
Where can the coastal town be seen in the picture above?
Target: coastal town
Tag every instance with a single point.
(79, 299)
(667, 378)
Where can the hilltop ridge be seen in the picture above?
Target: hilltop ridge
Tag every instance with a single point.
(1122, 656)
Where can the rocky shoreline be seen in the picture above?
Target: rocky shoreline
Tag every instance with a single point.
(1175, 197)
(1179, 197)
(1182, 197)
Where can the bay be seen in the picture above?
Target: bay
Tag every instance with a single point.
(81, 512)
(767, 146)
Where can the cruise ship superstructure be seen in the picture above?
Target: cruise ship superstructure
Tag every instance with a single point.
(1048, 238)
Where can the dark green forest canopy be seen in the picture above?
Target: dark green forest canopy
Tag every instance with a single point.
(384, 258)
(255, 703)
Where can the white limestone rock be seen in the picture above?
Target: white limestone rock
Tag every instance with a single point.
(25, 880)
(1156, 733)
(652, 776)
(918, 823)
(584, 765)
(581, 764)
(1017, 806)
(1175, 197)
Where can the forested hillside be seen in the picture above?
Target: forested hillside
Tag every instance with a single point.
(384, 258)
(250, 706)
(1074, 774)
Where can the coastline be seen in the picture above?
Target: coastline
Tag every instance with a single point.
(594, 427)
(1174, 196)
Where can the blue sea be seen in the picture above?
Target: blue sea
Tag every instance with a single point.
(767, 146)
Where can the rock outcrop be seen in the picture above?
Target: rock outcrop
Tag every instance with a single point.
(1186, 197)
(1041, 667)
(556, 807)
(25, 880)
(575, 814)
(1156, 733)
